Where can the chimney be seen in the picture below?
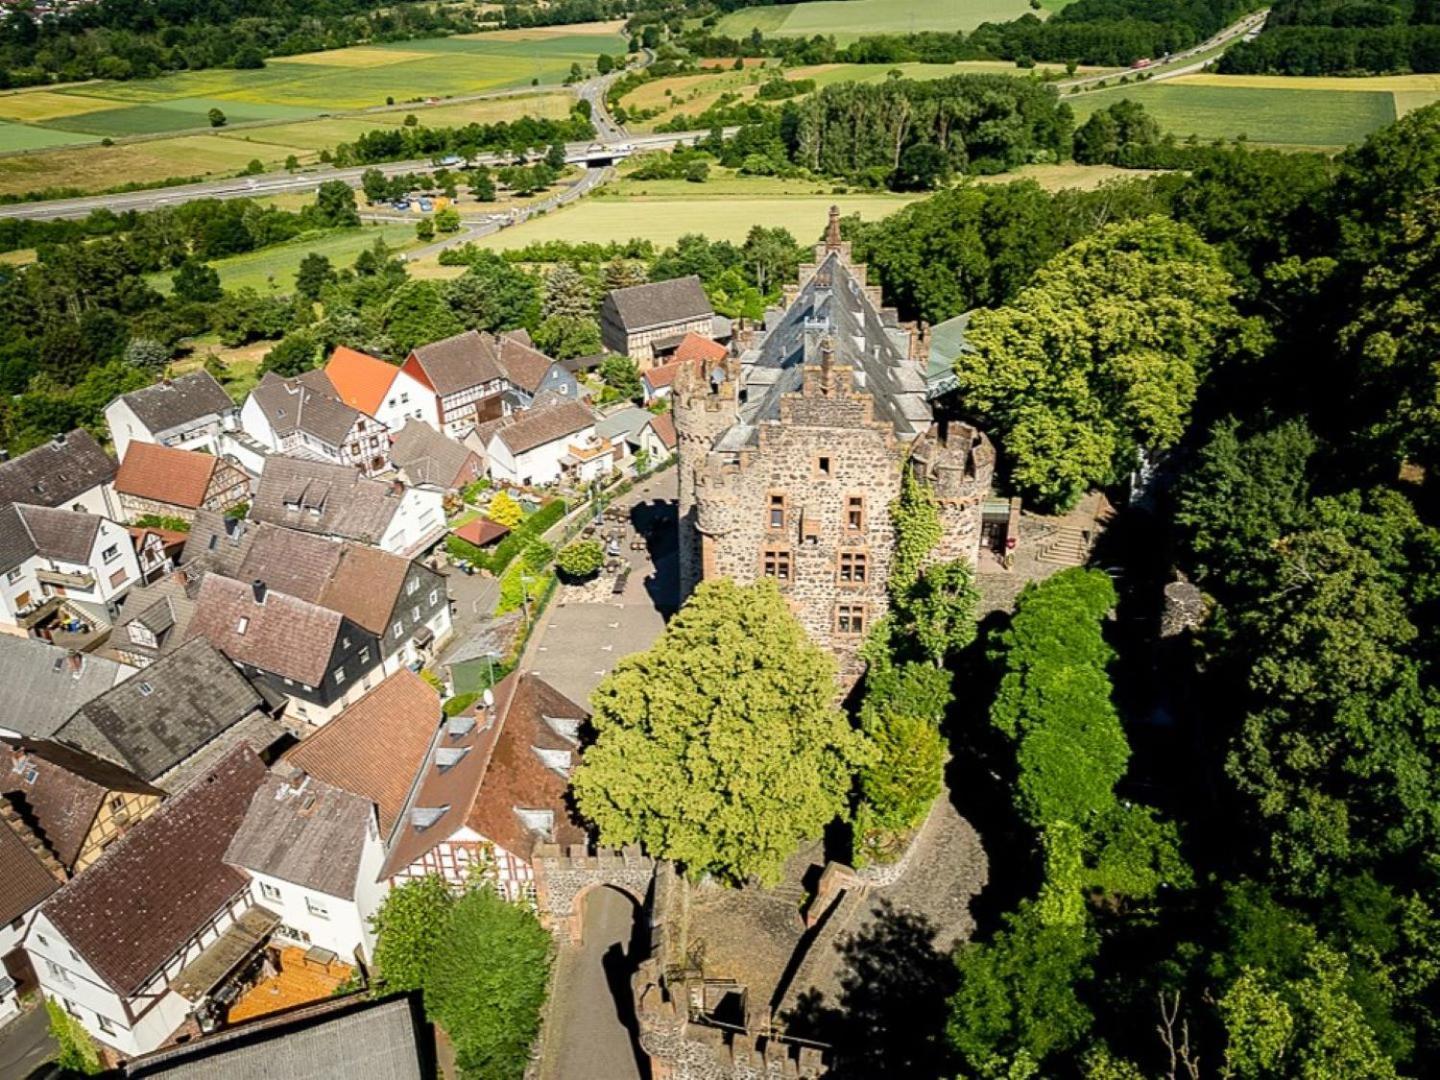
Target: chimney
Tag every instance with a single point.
(827, 365)
(258, 588)
(832, 233)
(75, 662)
(397, 488)
(60, 438)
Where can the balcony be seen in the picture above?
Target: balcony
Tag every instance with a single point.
(30, 619)
(85, 581)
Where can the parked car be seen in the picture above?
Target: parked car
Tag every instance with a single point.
(400, 204)
(426, 206)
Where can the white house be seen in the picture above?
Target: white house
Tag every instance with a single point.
(464, 378)
(301, 416)
(543, 445)
(31, 874)
(633, 430)
(336, 501)
(70, 472)
(51, 555)
(390, 394)
(139, 942)
(188, 413)
(313, 853)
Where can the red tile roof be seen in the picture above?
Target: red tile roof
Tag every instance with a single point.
(657, 378)
(375, 747)
(177, 477)
(481, 531)
(161, 882)
(664, 427)
(361, 380)
(695, 347)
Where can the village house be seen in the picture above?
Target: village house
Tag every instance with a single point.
(401, 602)
(349, 1036)
(75, 803)
(153, 619)
(30, 875)
(464, 377)
(313, 853)
(190, 412)
(380, 389)
(171, 721)
(156, 481)
(530, 372)
(694, 349)
(303, 418)
(157, 551)
(45, 684)
(792, 452)
(648, 322)
(49, 557)
(133, 947)
(483, 788)
(313, 658)
(337, 502)
(426, 458)
(69, 472)
(543, 445)
(633, 431)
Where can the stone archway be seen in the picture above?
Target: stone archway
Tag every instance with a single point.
(563, 878)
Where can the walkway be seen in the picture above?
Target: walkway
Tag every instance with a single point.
(26, 1046)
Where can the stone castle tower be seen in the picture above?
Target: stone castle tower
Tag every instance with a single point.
(792, 451)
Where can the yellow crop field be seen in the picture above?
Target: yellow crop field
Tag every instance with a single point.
(1302, 82)
(358, 56)
(539, 33)
(32, 105)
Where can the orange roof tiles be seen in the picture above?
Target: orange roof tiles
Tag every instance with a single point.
(695, 347)
(361, 380)
(657, 378)
(177, 477)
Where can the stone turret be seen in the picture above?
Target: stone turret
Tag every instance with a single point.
(704, 401)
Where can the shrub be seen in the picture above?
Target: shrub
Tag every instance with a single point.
(78, 1052)
(582, 559)
(504, 510)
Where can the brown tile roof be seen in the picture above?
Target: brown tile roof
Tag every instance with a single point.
(375, 747)
(695, 347)
(517, 778)
(458, 363)
(319, 497)
(59, 790)
(156, 886)
(482, 531)
(657, 378)
(427, 456)
(360, 380)
(524, 365)
(306, 403)
(660, 303)
(366, 586)
(24, 879)
(177, 477)
(286, 636)
(536, 427)
(664, 426)
(67, 535)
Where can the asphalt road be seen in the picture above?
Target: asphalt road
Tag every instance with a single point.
(1174, 65)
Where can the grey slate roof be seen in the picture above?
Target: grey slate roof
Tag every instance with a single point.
(624, 424)
(660, 303)
(218, 542)
(163, 714)
(308, 404)
(338, 1039)
(67, 535)
(56, 473)
(458, 363)
(177, 403)
(44, 685)
(427, 456)
(304, 831)
(318, 497)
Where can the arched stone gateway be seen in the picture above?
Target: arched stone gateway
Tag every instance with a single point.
(564, 875)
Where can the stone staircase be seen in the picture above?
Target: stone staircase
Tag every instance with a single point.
(789, 892)
(1068, 545)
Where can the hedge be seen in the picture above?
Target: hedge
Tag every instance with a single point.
(499, 558)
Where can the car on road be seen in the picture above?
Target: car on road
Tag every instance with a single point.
(400, 204)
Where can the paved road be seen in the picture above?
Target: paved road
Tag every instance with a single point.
(26, 1045)
(1174, 66)
(589, 1030)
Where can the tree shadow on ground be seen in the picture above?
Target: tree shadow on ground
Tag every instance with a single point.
(890, 1016)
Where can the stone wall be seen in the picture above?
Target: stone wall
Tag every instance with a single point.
(564, 875)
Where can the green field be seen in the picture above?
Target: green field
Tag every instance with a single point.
(276, 266)
(850, 19)
(1322, 118)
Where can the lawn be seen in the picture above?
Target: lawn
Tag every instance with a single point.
(277, 265)
(1285, 117)
(850, 19)
(24, 137)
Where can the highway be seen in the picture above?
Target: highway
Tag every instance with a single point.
(1173, 66)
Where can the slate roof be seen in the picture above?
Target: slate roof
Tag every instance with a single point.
(335, 1039)
(164, 713)
(220, 541)
(537, 427)
(427, 456)
(44, 684)
(625, 424)
(458, 363)
(156, 886)
(25, 881)
(59, 791)
(66, 535)
(375, 747)
(524, 365)
(304, 404)
(285, 636)
(164, 607)
(660, 303)
(319, 497)
(177, 477)
(178, 403)
(304, 831)
(359, 379)
(56, 473)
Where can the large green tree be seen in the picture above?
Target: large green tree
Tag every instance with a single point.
(1100, 357)
(410, 931)
(721, 746)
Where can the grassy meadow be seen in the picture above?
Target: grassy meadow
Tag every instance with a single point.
(850, 19)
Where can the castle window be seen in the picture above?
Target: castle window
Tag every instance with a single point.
(854, 567)
(775, 563)
(775, 518)
(850, 619)
(855, 513)
(822, 467)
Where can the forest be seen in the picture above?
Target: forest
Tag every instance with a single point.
(1213, 853)
(1341, 37)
